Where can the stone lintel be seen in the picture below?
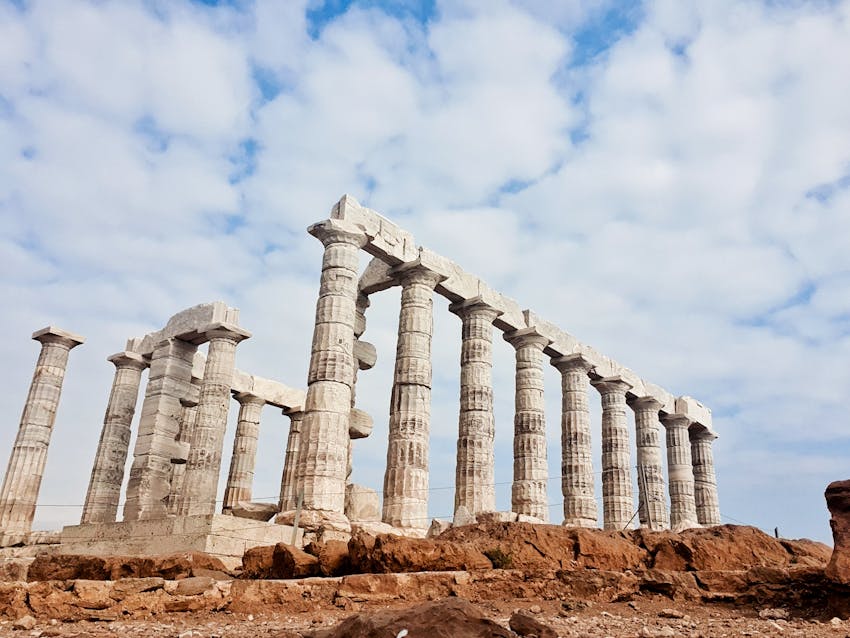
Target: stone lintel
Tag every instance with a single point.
(386, 240)
(694, 410)
(377, 276)
(53, 333)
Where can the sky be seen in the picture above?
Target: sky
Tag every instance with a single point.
(669, 181)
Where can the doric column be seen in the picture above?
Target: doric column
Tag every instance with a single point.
(652, 504)
(475, 471)
(22, 483)
(406, 476)
(531, 469)
(288, 485)
(169, 380)
(323, 455)
(204, 463)
(680, 473)
(240, 478)
(577, 484)
(188, 417)
(705, 481)
(107, 475)
(617, 502)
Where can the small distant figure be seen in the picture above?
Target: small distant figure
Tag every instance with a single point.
(776, 532)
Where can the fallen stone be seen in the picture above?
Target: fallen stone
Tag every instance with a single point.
(437, 527)
(255, 511)
(671, 613)
(333, 557)
(774, 614)
(24, 623)
(838, 501)
(14, 569)
(525, 625)
(257, 562)
(194, 585)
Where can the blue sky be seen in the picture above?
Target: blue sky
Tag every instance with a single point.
(668, 181)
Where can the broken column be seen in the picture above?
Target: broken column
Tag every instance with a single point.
(705, 481)
(531, 469)
(323, 454)
(652, 505)
(617, 502)
(204, 462)
(240, 478)
(680, 473)
(406, 477)
(288, 486)
(475, 471)
(577, 484)
(22, 482)
(107, 475)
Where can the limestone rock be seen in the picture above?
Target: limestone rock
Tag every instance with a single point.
(24, 623)
(496, 517)
(525, 625)
(437, 527)
(463, 517)
(255, 511)
(194, 585)
(362, 504)
(838, 501)
(360, 424)
(14, 569)
(451, 616)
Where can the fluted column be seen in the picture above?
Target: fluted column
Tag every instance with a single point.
(240, 478)
(531, 469)
(705, 481)
(680, 473)
(188, 417)
(323, 455)
(169, 381)
(288, 485)
(22, 482)
(101, 505)
(617, 501)
(406, 476)
(475, 471)
(652, 505)
(204, 463)
(577, 484)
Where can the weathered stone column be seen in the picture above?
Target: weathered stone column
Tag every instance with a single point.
(188, 417)
(652, 505)
(680, 473)
(577, 484)
(475, 471)
(531, 469)
(22, 482)
(101, 505)
(406, 476)
(617, 502)
(288, 485)
(240, 478)
(705, 481)
(204, 463)
(169, 380)
(323, 454)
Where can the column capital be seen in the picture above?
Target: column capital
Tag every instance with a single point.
(52, 334)
(675, 420)
(475, 307)
(414, 272)
(571, 362)
(615, 385)
(294, 413)
(339, 231)
(129, 359)
(248, 398)
(645, 403)
(700, 433)
(223, 330)
(526, 337)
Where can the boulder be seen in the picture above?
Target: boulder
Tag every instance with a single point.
(278, 561)
(437, 527)
(257, 562)
(525, 625)
(362, 504)
(448, 618)
(68, 567)
(838, 501)
(396, 554)
(333, 557)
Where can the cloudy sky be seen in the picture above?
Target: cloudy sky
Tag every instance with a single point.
(669, 181)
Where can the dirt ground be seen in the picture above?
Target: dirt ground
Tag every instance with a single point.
(647, 617)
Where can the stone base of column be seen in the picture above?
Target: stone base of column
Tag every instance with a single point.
(588, 523)
(316, 520)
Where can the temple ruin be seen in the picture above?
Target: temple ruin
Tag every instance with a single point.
(170, 497)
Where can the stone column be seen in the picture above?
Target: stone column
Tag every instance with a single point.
(22, 483)
(169, 380)
(107, 475)
(652, 505)
(188, 417)
(617, 502)
(577, 484)
(705, 481)
(204, 463)
(680, 473)
(323, 453)
(531, 469)
(288, 485)
(475, 471)
(406, 476)
(240, 478)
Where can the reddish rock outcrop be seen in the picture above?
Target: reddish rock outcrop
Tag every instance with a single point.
(838, 501)
(279, 561)
(167, 566)
(333, 557)
(387, 553)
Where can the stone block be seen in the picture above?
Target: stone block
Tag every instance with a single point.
(255, 511)
(360, 424)
(437, 527)
(362, 504)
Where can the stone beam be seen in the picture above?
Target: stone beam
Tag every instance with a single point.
(186, 325)
(386, 240)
